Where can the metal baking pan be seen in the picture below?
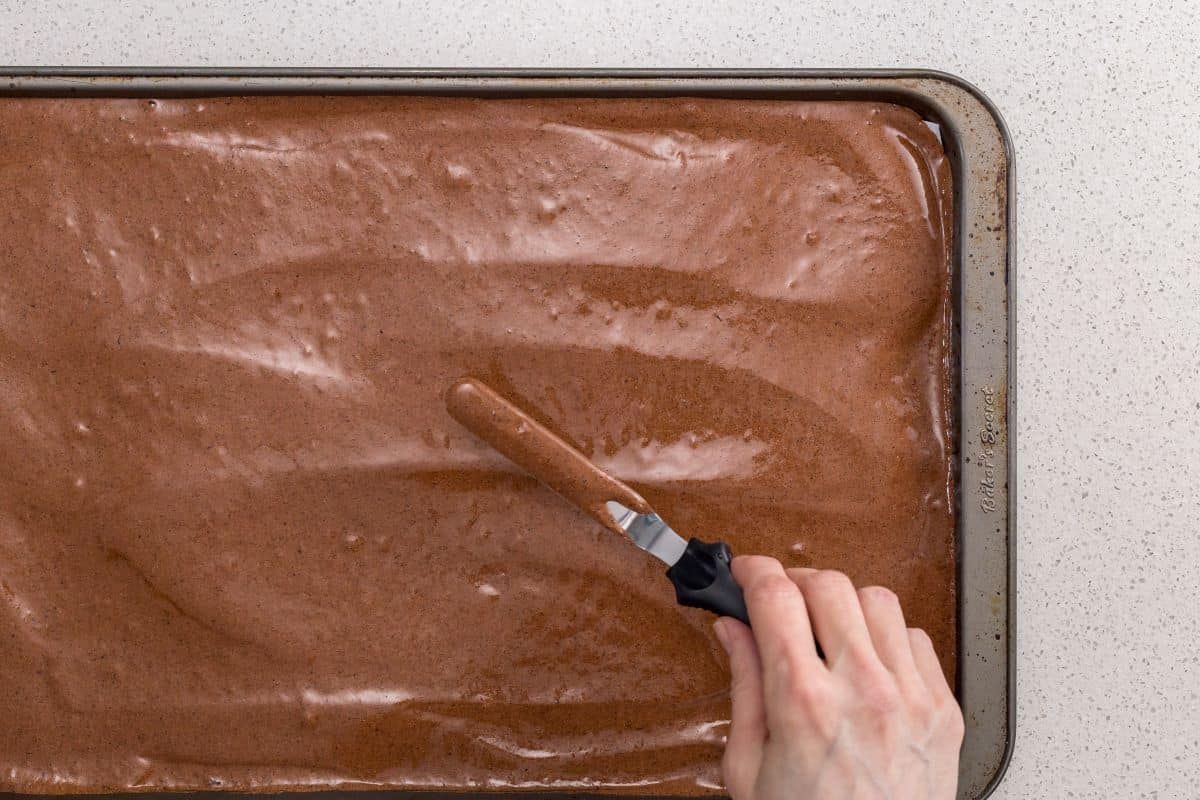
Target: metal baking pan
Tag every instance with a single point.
(980, 151)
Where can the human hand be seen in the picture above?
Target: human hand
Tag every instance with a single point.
(875, 719)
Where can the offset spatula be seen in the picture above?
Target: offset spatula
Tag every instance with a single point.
(699, 570)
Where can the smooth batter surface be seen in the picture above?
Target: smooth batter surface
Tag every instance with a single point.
(242, 543)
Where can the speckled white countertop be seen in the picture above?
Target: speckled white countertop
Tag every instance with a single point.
(1106, 118)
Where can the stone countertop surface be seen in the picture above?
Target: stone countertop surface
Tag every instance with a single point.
(1101, 103)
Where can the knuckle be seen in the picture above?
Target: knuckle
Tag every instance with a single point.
(880, 595)
(920, 637)
(940, 714)
(756, 561)
(923, 707)
(829, 579)
(769, 589)
(924, 718)
(956, 726)
(807, 694)
(881, 695)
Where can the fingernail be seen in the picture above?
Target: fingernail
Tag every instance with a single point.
(722, 635)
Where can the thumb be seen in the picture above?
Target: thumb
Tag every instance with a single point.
(748, 722)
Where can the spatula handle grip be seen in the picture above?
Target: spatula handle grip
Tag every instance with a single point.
(702, 579)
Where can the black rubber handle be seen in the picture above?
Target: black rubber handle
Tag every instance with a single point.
(703, 580)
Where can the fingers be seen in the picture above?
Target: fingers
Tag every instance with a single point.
(748, 723)
(885, 624)
(778, 613)
(927, 664)
(782, 631)
(837, 617)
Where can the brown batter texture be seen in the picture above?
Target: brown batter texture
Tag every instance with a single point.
(243, 544)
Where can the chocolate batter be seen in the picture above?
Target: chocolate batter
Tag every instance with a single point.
(242, 543)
